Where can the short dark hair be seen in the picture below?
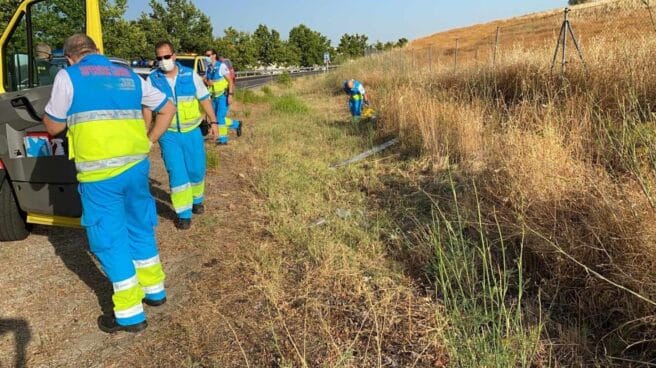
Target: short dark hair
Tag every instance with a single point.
(212, 51)
(79, 45)
(163, 43)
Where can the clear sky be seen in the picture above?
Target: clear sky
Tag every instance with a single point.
(381, 20)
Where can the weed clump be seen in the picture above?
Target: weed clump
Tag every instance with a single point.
(289, 104)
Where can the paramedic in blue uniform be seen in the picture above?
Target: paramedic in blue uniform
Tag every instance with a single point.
(356, 96)
(221, 83)
(183, 147)
(101, 105)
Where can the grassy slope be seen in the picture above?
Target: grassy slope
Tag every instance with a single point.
(338, 298)
(557, 170)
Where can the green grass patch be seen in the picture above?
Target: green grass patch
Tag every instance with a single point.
(212, 158)
(482, 287)
(248, 96)
(289, 104)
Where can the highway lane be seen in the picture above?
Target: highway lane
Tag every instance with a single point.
(260, 80)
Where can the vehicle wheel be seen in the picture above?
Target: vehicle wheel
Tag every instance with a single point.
(12, 219)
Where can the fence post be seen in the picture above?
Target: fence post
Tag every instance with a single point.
(430, 58)
(496, 49)
(455, 56)
(651, 15)
(414, 59)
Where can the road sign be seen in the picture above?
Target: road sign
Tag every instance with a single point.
(326, 57)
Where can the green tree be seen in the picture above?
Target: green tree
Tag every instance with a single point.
(352, 45)
(289, 55)
(178, 21)
(7, 9)
(401, 42)
(270, 47)
(237, 46)
(311, 45)
(122, 38)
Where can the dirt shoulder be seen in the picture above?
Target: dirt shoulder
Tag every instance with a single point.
(53, 290)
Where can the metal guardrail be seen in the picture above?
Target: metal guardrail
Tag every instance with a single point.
(254, 81)
(272, 72)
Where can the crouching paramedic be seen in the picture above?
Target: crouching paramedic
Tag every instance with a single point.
(183, 147)
(357, 95)
(101, 104)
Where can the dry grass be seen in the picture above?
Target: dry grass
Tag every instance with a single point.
(564, 166)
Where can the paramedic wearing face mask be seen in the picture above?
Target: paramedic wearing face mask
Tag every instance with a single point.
(183, 149)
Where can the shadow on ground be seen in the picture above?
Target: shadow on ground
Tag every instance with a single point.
(22, 336)
(162, 200)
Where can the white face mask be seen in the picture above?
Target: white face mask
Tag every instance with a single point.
(166, 65)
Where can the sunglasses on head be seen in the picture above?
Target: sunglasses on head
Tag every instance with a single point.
(165, 57)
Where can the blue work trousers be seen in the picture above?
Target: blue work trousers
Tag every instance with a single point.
(356, 107)
(185, 161)
(119, 216)
(221, 108)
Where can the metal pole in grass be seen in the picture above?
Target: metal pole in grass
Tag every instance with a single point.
(455, 57)
(566, 28)
(414, 59)
(496, 48)
(651, 15)
(430, 58)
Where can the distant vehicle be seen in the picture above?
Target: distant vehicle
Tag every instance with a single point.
(193, 61)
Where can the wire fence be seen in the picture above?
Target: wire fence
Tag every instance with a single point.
(563, 31)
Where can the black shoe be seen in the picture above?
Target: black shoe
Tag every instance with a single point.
(154, 303)
(239, 129)
(183, 224)
(108, 324)
(198, 209)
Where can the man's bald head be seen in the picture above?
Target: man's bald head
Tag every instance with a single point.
(79, 45)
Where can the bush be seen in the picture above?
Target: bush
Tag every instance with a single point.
(285, 79)
(289, 104)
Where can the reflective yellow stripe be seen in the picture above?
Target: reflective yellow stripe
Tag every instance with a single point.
(223, 129)
(182, 200)
(357, 97)
(105, 148)
(127, 303)
(151, 278)
(198, 189)
(219, 86)
(189, 114)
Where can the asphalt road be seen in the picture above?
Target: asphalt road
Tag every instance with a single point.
(260, 80)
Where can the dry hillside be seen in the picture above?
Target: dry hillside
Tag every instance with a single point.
(611, 18)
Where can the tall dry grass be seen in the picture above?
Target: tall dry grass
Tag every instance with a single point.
(562, 165)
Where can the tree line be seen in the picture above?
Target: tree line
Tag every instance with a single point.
(190, 30)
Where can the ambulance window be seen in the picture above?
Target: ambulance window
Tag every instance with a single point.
(52, 22)
(33, 53)
(16, 58)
